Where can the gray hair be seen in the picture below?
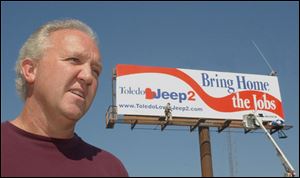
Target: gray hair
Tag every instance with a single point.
(35, 45)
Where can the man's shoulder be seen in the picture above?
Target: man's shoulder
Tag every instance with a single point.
(102, 152)
(4, 123)
(103, 156)
(5, 126)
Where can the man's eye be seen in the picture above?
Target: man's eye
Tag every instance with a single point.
(97, 73)
(74, 60)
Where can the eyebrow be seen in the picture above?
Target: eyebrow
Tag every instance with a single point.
(97, 63)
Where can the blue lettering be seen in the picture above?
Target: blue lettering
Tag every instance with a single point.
(251, 85)
(182, 96)
(130, 91)
(157, 94)
(173, 95)
(239, 82)
(205, 81)
(165, 95)
(217, 82)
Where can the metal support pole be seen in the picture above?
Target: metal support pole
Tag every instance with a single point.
(205, 152)
(114, 108)
(290, 171)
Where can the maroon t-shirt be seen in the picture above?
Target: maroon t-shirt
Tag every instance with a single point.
(27, 154)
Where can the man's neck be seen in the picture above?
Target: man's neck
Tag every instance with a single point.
(35, 120)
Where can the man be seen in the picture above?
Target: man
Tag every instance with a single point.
(57, 76)
(168, 112)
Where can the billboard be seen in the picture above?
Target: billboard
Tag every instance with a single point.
(146, 90)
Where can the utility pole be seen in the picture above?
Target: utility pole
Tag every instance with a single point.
(205, 152)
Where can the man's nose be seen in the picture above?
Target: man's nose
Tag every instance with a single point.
(86, 74)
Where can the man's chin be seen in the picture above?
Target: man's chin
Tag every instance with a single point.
(74, 114)
(73, 111)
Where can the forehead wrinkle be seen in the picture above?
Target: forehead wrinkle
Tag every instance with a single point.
(78, 49)
(75, 42)
(89, 56)
(82, 54)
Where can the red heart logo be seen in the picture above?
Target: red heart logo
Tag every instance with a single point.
(149, 93)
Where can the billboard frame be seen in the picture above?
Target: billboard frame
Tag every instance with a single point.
(203, 125)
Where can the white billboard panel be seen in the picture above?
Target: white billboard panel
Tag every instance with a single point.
(146, 90)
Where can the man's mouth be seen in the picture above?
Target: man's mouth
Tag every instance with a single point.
(78, 93)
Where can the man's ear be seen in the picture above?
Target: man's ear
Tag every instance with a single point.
(28, 68)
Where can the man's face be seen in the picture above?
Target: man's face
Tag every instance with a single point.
(67, 75)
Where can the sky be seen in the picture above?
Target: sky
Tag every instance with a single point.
(212, 36)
